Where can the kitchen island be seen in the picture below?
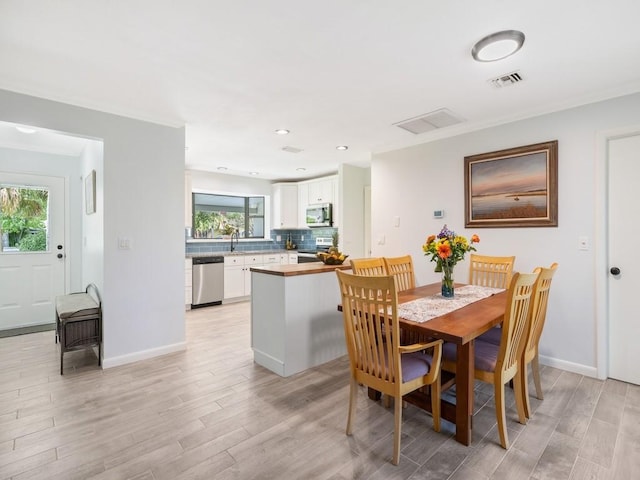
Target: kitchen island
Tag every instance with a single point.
(295, 324)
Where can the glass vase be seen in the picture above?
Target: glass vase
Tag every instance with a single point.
(447, 280)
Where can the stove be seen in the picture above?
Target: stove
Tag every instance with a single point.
(322, 245)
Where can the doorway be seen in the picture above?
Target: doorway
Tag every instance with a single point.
(623, 170)
(32, 264)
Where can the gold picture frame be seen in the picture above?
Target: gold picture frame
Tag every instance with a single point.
(90, 193)
(517, 187)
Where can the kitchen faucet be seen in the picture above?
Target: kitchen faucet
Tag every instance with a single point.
(235, 235)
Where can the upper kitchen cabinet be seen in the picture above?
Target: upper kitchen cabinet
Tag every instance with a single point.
(321, 190)
(284, 197)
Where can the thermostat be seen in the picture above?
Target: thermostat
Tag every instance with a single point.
(438, 213)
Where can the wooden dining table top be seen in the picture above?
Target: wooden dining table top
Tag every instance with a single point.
(458, 326)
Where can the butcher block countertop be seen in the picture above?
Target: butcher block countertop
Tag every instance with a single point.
(299, 269)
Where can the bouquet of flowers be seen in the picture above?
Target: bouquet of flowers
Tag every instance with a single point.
(447, 249)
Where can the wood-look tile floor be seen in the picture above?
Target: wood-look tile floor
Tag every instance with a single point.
(211, 413)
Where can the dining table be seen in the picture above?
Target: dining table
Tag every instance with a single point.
(460, 326)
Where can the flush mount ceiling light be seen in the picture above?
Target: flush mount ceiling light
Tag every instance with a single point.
(282, 131)
(498, 46)
(342, 147)
(222, 169)
(253, 173)
(301, 169)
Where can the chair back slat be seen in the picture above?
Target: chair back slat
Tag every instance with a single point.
(538, 313)
(371, 267)
(514, 325)
(402, 269)
(369, 306)
(490, 271)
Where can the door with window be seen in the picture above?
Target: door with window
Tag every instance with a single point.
(32, 248)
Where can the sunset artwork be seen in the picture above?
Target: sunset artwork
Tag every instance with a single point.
(516, 187)
(513, 187)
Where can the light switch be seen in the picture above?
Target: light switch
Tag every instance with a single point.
(124, 243)
(396, 221)
(381, 240)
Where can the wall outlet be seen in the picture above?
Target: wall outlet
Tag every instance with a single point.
(302, 238)
(278, 238)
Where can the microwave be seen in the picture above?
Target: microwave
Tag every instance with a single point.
(319, 215)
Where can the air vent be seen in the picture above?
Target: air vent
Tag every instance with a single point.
(506, 80)
(429, 121)
(292, 149)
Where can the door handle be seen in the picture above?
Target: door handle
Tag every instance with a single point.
(60, 255)
(615, 271)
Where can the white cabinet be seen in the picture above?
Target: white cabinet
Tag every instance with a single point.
(320, 191)
(237, 274)
(293, 258)
(188, 278)
(284, 206)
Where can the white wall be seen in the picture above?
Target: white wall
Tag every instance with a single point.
(412, 182)
(143, 200)
(93, 225)
(351, 183)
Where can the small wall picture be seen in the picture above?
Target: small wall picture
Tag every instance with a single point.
(517, 187)
(90, 193)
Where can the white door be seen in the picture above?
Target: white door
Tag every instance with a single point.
(30, 281)
(623, 232)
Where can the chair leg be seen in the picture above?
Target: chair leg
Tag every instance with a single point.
(397, 431)
(535, 370)
(518, 390)
(386, 401)
(500, 414)
(353, 391)
(435, 403)
(524, 382)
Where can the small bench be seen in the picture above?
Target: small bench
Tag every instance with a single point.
(79, 321)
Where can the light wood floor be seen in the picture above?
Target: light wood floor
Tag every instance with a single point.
(211, 413)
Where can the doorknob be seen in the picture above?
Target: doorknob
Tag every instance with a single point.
(615, 271)
(60, 255)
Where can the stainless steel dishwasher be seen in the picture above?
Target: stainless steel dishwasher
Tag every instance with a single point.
(208, 281)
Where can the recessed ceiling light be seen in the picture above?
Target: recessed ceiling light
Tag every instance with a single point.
(222, 169)
(253, 173)
(25, 129)
(282, 131)
(301, 169)
(497, 46)
(342, 147)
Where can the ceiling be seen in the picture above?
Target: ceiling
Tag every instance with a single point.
(334, 72)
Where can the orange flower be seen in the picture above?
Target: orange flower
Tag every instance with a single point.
(475, 238)
(430, 239)
(444, 250)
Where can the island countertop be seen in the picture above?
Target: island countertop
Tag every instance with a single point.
(299, 269)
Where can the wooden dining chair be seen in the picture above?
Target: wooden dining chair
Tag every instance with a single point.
(402, 269)
(369, 266)
(376, 357)
(498, 364)
(537, 316)
(490, 271)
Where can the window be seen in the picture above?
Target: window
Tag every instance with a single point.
(217, 216)
(24, 213)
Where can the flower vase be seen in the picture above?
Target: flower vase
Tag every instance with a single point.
(447, 281)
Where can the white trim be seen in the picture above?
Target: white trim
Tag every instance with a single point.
(601, 245)
(578, 368)
(268, 361)
(143, 355)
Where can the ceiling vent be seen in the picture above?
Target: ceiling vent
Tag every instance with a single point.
(506, 80)
(292, 149)
(430, 121)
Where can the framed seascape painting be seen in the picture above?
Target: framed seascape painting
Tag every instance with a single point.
(517, 187)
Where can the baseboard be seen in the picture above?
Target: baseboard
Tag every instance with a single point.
(12, 332)
(143, 355)
(269, 362)
(578, 368)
